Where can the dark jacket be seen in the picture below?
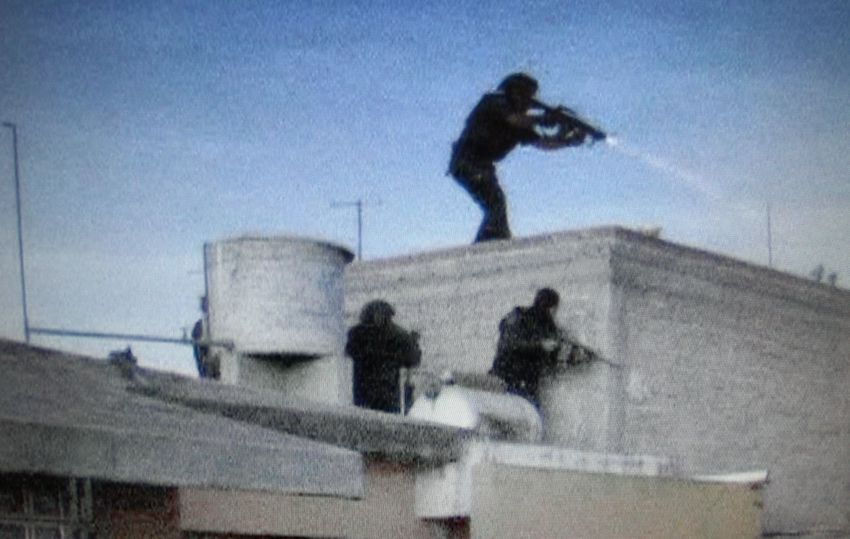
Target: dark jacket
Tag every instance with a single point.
(520, 357)
(378, 354)
(487, 136)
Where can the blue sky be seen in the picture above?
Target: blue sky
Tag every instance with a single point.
(148, 128)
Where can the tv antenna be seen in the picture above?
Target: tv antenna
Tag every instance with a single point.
(358, 205)
(769, 238)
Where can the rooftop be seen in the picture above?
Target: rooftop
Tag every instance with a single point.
(74, 416)
(78, 416)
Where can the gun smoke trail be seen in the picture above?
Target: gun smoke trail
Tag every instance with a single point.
(694, 180)
(738, 210)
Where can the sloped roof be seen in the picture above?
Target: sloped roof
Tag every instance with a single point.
(389, 436)
(74, 416)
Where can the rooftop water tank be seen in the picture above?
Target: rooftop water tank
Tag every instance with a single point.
(277, 295)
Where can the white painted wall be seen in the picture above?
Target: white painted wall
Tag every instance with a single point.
(279, 299)
(723, 366)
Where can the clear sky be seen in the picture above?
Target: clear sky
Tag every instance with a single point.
(148, 128)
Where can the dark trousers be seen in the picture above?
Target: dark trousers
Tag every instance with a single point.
(480, 181)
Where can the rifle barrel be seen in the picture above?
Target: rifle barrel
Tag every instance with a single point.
(573, 118)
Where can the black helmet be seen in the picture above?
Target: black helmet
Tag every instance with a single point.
(546, 298)
(520, 83)
(375, 311)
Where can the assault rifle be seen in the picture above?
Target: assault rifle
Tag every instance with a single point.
(568, 121)
(572, 352)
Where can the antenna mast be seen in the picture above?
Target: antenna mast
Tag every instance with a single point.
(769, 239)
(358, 204)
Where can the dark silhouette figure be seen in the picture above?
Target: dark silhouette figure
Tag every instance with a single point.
(126, 362)
(380, 349)
(207, 366)
(499, 122)
(529, 343)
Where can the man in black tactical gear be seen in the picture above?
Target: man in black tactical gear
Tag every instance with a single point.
(498, 123)
(529, 342)
(380, 349)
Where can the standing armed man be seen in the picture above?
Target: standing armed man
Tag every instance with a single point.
(499, 122)
(380, 349)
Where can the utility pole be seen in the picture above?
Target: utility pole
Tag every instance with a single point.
(358, 204)
(14, 129)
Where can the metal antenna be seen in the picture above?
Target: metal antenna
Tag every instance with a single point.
(769, 239)
(14, 129)
(358, 204)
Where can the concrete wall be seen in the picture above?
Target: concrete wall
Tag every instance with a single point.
(325, 379)
(447, 491)
(720, 365)
(387, 510)
(455, 299)
(730, 367)
(551, 503)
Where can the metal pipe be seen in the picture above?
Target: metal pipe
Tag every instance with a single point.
(206, 278)
(359, 229)
(358, 205)
(128, 337)
(14, 129)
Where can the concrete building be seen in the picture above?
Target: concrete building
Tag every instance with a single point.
(710, 366)
(80, 453)
(94, 449)
(715, 363)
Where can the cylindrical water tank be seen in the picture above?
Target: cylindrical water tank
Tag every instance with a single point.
(277, 295)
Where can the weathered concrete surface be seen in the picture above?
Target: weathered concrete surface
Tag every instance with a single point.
(279, 300)
(447, 491)
(385, 511)
(456, 297)
(318, 379)
(733, 366)
(276, 295)
(556, 503)
(721, 365)
(389, 436)
(66, 415)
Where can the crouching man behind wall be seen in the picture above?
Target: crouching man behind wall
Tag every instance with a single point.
(531, 343)
(380, 349)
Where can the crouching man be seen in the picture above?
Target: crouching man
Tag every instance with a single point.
(530, 343)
